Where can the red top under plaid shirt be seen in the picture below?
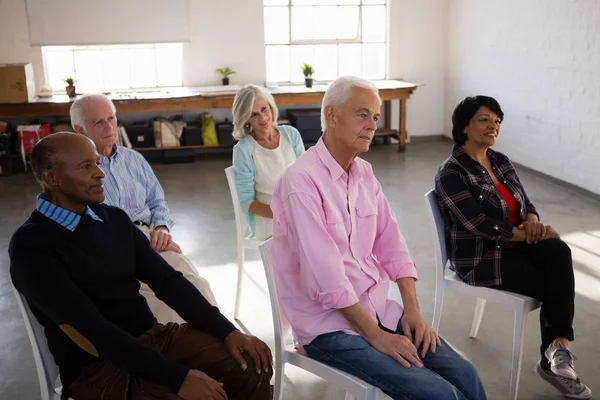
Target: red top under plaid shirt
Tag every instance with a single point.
(476, 215)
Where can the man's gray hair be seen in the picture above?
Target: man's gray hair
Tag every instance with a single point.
(76, 115)
(338, 93)
(242, 108)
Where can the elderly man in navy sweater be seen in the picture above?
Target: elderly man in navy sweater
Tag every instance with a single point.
(78, 263)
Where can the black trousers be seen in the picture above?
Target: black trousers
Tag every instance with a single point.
(543, 271)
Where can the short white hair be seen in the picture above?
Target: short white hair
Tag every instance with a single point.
(242, 108)
(77, 117)
(338, 93)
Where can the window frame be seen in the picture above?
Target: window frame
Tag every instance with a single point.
(308, 42)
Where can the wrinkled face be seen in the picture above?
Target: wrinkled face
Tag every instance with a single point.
(484, 127)
(354, 124)
(100, 124)
(261, 119)
(77, 175)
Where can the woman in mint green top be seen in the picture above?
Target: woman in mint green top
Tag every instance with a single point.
(261, 156)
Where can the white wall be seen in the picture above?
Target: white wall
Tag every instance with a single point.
(541, 60)
(225, 33)
(14, 38)
(416, 54)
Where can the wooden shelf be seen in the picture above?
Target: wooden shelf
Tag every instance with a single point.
(386, 132)
(218, 146)
(378, 133)
(184, 99)
(195, 99)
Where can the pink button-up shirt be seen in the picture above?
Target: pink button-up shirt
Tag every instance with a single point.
(336, 243)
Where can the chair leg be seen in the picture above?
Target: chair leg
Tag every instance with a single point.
(517, 356)
(437, 309)
(279, 374)
(477, 316)
(238, 292)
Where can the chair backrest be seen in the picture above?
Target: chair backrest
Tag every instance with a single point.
(44, 361)
(282, 327)
(240, 217)
(439, 234)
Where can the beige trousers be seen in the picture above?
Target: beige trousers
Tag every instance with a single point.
(181, 263)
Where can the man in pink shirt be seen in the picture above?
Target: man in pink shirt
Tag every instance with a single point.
(336, 247)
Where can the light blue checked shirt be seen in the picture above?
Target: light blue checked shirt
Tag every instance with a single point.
(131, 185)
(66, 218)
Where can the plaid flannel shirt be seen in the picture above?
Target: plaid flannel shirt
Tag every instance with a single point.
(476, 215)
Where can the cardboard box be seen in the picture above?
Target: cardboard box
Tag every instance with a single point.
(16, 83)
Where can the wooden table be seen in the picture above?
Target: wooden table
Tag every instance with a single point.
(184, 99)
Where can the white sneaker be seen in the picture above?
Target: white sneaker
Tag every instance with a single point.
(573, 389)
(562, 361)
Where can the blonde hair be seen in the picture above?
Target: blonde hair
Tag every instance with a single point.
(242, 109)
(339, 91)
(77, 117)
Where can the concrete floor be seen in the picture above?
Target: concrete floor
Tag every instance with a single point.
(200, 203)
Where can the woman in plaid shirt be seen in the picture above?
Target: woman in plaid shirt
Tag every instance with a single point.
(495, 237)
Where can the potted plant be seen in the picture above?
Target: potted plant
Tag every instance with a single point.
(225, 73)
(71, 88)
(308, 71)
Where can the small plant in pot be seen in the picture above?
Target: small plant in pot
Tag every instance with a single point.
(225, 73)
(308, 71)
(71, 86)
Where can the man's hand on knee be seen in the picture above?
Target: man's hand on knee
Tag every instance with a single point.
(161, 240)
(238, 343)
(199, 386)
(174, 247)
(423, 333)
(399, 347)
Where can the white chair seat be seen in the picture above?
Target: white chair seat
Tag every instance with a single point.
(252, 243)
(507, 299)
(352, 385)
(285, 352)
(519, 304)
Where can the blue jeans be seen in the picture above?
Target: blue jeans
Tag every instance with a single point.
(445, 375)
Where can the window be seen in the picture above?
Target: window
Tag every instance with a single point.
(338, 37)
(117, 67)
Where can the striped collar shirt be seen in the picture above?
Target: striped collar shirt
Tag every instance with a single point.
(63, 217)
(131, 185)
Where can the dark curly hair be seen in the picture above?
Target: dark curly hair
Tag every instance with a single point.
(466, 109)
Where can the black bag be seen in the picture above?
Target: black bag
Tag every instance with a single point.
(192, 135)
(140, 134)
(8, 143)
(308, 123)
(225, 133)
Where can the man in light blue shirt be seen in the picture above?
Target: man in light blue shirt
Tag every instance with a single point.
(131, 185)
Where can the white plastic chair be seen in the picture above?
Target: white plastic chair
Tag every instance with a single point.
(521, 305)
(243, 242)
(44, 361)
(285, 352)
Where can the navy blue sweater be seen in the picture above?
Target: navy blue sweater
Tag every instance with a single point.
(88, 279)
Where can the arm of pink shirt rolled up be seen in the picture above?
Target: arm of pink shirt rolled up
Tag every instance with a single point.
(390, 247)
(321, 264)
